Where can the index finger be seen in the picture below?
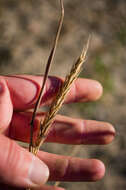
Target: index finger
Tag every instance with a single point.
(24, 90)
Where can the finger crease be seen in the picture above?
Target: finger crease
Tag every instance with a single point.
(83, 132)
(66, 170)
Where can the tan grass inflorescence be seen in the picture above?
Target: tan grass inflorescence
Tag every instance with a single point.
(57, 103)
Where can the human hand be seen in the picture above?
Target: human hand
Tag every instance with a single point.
(21, 169)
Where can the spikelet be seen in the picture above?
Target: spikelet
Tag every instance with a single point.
(57, 103)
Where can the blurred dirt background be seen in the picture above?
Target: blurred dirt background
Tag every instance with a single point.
(27, 29)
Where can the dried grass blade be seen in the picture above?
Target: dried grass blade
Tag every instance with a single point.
(49, 62)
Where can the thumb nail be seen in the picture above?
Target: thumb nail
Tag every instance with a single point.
(38, 172)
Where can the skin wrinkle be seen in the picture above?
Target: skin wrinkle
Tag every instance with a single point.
(67, 168)
(83, 131)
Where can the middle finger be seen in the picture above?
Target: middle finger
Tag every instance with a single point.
(64, 130)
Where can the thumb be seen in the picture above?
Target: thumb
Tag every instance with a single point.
(20, 168)
(6, 108)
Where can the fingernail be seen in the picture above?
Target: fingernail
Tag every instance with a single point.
(39, 172)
